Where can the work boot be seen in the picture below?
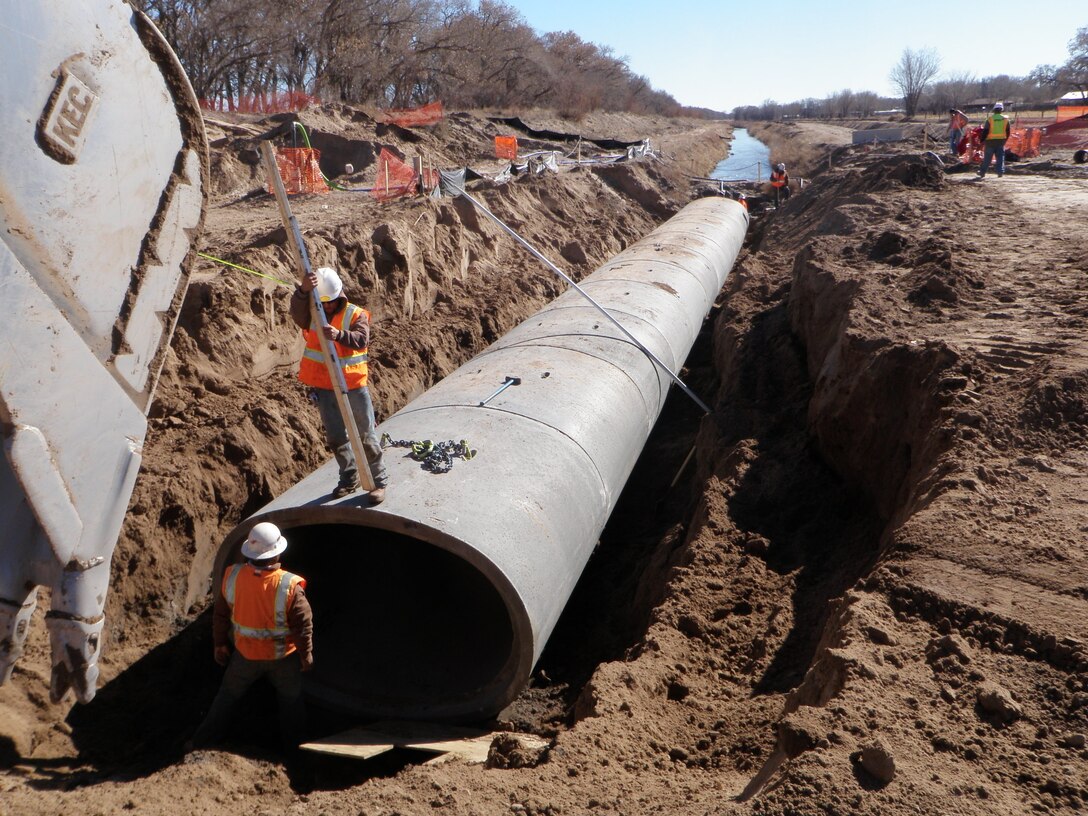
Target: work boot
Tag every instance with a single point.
(377, 495)
(345, 488)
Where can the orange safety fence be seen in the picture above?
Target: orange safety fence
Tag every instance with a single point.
(429, 114)
(506, 147)
(1071, 133)
(394, 178)
(276, 102)
(1024, 142)
(1066, 112)
(299, 170)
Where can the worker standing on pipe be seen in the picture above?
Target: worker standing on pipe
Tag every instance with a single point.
(780, 180)
(349, 328)
(265, 608)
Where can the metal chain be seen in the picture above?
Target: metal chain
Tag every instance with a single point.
(436, 457)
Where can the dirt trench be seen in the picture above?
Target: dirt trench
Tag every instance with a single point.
(865, 595)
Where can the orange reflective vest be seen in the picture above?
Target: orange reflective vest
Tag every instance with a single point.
(259, 602)
(778, 179)
(312, 370)
(999, 127)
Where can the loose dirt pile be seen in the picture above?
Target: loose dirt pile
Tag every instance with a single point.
(867, 596)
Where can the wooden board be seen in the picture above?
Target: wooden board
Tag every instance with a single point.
(450, 742)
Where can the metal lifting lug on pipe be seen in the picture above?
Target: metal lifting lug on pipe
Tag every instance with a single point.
(509, 381)
(437, 603)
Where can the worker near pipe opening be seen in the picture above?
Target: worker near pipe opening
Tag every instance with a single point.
(264, 608)
(349, 328)
(780, 181)
(994, 135)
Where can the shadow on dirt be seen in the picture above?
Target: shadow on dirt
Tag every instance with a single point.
(817, 527)
(139, 724)
(143, 716)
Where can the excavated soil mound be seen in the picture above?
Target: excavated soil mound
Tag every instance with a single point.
(866, 595)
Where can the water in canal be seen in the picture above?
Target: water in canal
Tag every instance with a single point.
(748, 159)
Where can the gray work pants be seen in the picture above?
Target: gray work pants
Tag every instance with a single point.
(994, 148)
(336, 434)
(284, 674)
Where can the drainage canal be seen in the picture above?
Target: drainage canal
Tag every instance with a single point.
(748, 160)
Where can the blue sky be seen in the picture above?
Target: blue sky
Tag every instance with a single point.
(720, 54)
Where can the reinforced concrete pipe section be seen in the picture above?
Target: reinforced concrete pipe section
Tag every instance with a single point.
(438, 603)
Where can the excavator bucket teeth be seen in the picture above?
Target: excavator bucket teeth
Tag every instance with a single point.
(103, 170)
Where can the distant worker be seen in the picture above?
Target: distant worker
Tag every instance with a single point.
(266, 610)
(994, 135)
(742, 199)
(957, 124)
(349, 329)
(780, 181)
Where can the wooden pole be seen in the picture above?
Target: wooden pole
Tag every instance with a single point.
(417, 166)
(317, 315)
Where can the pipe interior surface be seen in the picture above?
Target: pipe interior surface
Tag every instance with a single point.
(396, 620)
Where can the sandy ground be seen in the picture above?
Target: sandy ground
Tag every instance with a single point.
(868, 594)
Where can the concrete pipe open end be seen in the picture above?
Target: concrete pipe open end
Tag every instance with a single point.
(408, 622)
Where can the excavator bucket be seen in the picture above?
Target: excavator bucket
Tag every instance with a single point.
(103, 168)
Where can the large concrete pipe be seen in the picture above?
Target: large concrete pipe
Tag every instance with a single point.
(438, 602)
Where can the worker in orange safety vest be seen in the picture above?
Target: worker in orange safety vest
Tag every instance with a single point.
(264, 607)
(780, 181)
(349, 329)
(994, 135)
(957, 126)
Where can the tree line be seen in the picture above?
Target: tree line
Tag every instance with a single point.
(922, 90)
(397, 54)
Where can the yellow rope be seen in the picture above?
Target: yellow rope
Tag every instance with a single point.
(243, 268)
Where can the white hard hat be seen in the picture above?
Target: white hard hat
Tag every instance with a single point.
(998, 106)
(329, 286)
(264, 542)
(780, 168)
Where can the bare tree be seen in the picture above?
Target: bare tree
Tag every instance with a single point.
(1071, 76)
(842, 104)
(394, 53)
(912, 74)
(865, 102)
(955, 91)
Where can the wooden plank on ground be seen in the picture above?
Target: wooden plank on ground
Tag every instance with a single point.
(346, 745)
(449, 741)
